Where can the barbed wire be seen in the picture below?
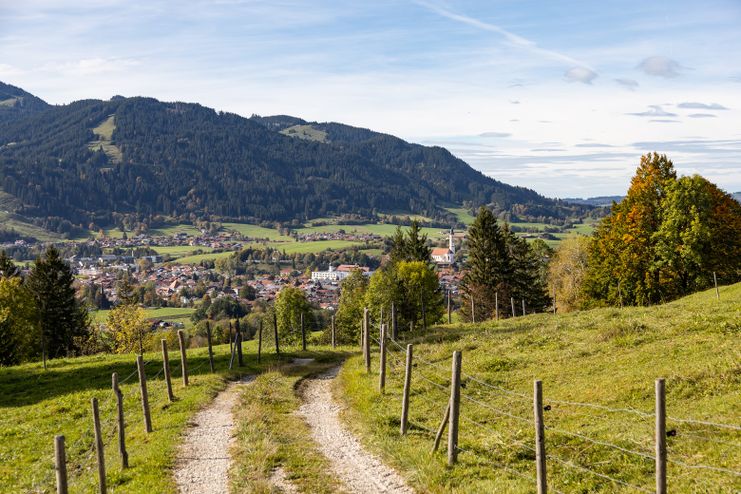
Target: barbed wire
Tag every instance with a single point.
(495, 410)
(600, 443)
(601, 475)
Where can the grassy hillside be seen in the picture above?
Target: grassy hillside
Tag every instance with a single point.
(36, 405)
(598, 369)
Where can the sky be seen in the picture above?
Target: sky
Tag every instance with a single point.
(559, 96)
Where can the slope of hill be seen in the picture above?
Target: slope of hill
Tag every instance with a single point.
(92, 160)
(15, 102)
(598, 369)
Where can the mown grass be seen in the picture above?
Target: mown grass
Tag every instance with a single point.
(255, 231)
(197, 258)
(181, 314)
(609, 357)
(104, 131)
(176, 251)
(36, 405)
(271, 435)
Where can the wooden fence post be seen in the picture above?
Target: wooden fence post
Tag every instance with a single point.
(121, 422)
(233, 347)
(210, 348)
(715, 282)
(512, 303)
(449, 308)
(60, 464)
(99, 446)
(496, 305)
(455, 404)
(183, 356)
(334, 338)
(539, 437)
(473, 311)
(424, 317)
(524, 313)
(303, 333)
(660, 437)
(144, 395)
(407, 389)
(394, 324)
(380, 319)
(166, 367)
(366, 340)
(231, 342)
(259, 341)
(382, 363)
(240, 357)
(554, 299)
(275, 331)
(441, 427)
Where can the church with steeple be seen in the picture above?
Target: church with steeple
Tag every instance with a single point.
(444, 255)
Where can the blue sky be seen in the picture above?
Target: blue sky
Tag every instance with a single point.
(562, 97)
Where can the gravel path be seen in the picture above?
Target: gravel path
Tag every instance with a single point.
(203, 459)
(360, 471)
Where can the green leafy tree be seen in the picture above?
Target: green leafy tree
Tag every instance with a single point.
(290, 304)
(19, 324)
(350, 308)
(420, 296)
(64, 321)
(383, 289)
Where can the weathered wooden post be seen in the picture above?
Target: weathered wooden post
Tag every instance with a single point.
(380, 321)
(334, 339)
(407, 389)
(60, 464)
(539, 437)
(715, 282)
(166, 367)
(455, 404)
(231, 341)
(449, 315)
(554, 299)
(394, 324)
(210, 348)
(275, 331)
(240, 338)
(523, 307)
(303, 333)
(144, 394)
(366, 340)
(382, 362)
(441, 428)
(424, 317)
(121, 422)
(512, 303)
(259, 341)
(183, 356)
(660, 437)
(473, 310)
(496, 305)
(99, 446)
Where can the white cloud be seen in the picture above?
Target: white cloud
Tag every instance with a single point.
(702, 106)
(92, 66)
(9, 71)
(495, 134)
(702, 115)
(580, 74)
(628, 84)
(654, 111)
(660, 67)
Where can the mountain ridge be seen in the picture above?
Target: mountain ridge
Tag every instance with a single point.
(143, 157)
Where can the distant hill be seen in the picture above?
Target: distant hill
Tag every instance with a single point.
(599, 201)
(15, 102)
(737, 196)
(92, 161)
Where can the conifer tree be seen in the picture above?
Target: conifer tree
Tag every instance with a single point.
(7, 268)
(62, 318)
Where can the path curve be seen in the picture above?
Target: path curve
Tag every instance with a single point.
(203, 459)
(360, 471)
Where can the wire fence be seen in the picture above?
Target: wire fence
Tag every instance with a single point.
(433, 378)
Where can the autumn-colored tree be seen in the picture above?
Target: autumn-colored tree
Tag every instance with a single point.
(664, 239)
(566, 272)
(129, 327)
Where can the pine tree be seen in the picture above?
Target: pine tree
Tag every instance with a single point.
(7, 268)
(63, 319)
(488, 268)
(415, 248)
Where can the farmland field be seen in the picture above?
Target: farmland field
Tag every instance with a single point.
(180, 250)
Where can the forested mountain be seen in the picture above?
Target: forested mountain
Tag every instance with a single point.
(91, 161)
(16, 102)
